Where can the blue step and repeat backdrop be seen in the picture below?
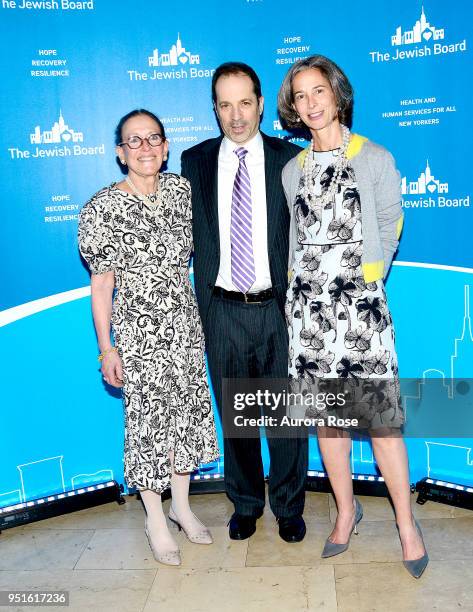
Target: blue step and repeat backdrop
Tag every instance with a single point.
(72, 69)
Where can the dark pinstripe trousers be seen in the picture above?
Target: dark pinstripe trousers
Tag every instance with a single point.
(250, 341)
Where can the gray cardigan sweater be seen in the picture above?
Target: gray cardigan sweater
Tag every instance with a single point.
(380, 195)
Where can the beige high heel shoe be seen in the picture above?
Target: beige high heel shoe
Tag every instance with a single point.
(170, 557)
(203, 536)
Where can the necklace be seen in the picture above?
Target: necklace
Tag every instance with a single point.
(153, 205)
(340, 165)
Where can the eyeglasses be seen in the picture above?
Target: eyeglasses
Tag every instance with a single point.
(135, 142)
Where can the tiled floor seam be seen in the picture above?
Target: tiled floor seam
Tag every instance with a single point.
(149, 591)
(305, 588)
(335, 587)
(84, 547)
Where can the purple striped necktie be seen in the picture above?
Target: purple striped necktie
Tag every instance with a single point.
(243, 264)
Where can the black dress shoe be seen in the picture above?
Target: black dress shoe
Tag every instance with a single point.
(241, 527)
(292, 529)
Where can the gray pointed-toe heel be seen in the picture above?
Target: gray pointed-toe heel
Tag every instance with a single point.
(331, 548)
(416, 567)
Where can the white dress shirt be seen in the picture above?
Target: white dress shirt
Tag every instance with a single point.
(227, 169)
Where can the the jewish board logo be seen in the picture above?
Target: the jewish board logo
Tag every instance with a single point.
(175, 63)
(423, 39)
(427, 191)
(49, 5)
(60, 140)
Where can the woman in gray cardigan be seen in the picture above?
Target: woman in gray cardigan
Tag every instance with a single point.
(343, 192)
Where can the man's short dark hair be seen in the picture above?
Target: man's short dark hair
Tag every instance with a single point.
(229, 68)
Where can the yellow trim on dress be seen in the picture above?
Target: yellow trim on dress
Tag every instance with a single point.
(301, 156)
(399, 225)
(354, 147)
(373, 271)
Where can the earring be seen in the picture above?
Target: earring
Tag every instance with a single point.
(122, 161)
(298, 119)
(165, 158)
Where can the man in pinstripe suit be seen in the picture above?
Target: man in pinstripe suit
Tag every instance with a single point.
(241, 228)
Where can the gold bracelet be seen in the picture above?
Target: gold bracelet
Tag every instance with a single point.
(106, 352)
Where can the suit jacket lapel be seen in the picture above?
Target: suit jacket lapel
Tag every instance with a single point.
(272, 170)
(209, 182)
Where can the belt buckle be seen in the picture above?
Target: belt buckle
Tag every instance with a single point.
(247, 301)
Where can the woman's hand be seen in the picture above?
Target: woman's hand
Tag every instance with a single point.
(112, 369)
(102, 293)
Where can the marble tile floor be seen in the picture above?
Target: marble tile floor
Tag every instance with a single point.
(102, 558)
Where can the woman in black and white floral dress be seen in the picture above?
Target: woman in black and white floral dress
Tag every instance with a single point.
(345, 204)
(339, 324)
(136, 238)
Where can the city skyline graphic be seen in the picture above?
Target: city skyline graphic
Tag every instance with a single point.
(426, 184)
(461, 360)
(441, 455)
(176, 55)
(60, 132)
(49, 470)
(423, 31)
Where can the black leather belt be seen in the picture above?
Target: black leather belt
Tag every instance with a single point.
(248, 298)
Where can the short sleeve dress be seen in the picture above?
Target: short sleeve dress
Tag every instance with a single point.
(156, 326)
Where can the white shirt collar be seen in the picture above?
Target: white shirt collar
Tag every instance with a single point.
(253, 146)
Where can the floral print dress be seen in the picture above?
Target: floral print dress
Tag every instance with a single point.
(339, 325)
(156, 326)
